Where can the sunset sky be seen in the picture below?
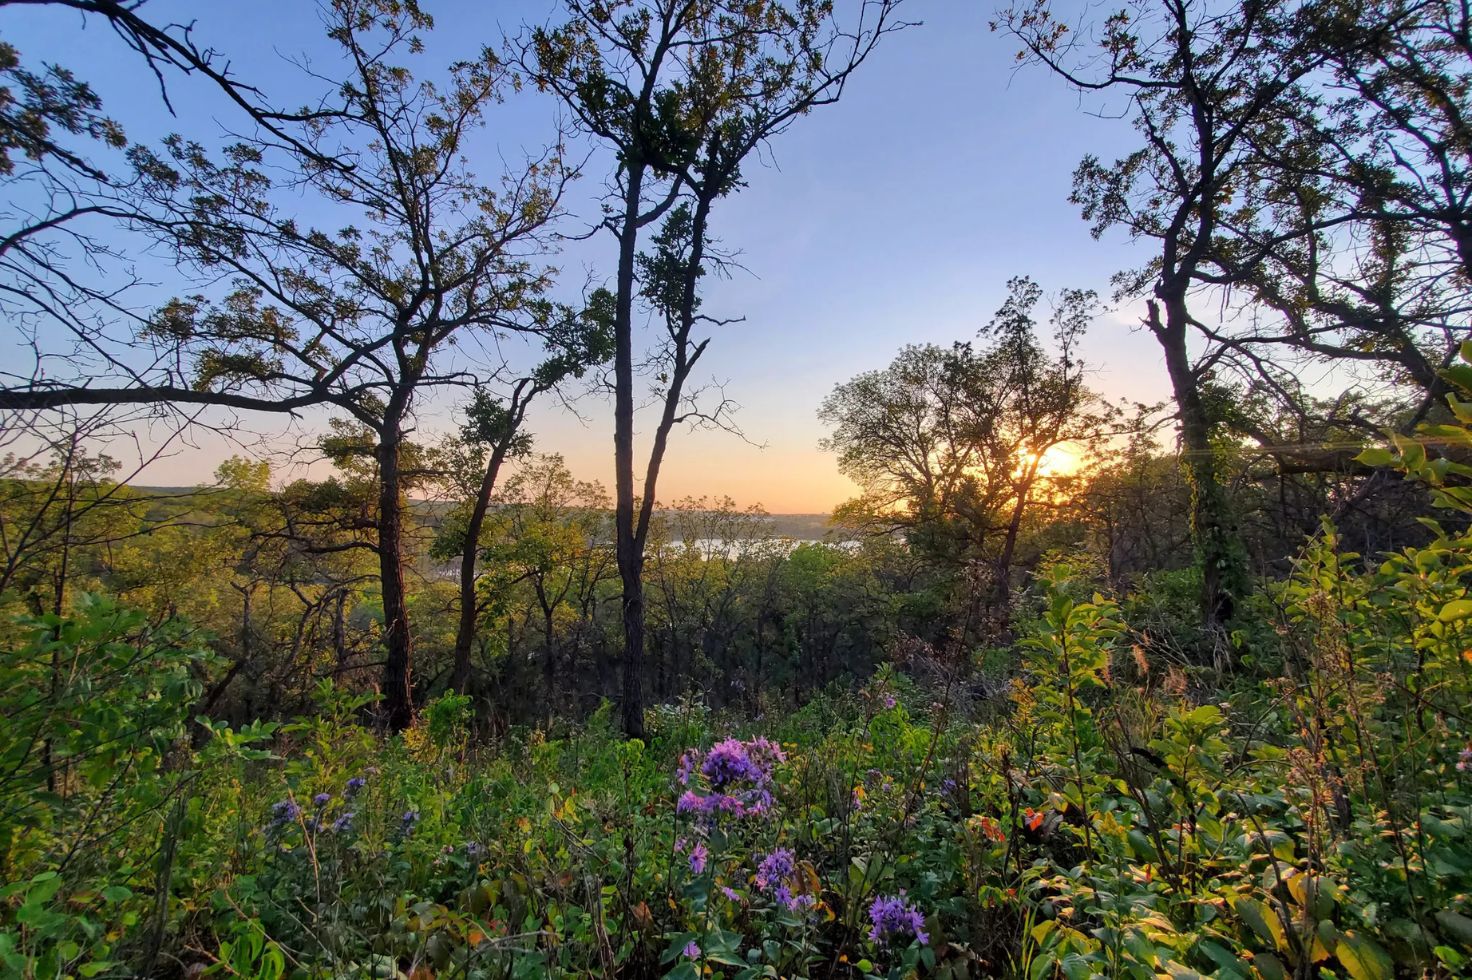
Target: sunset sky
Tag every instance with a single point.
(894, 217)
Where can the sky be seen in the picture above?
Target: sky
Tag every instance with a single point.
(894, 217)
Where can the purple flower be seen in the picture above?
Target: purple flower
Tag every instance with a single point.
(775, 869)
(698, 856)
(895, 921)
(321, 800)
(473, 849)
(285, 812)
(1464, 759)
(738, 775)
(792, 902)
(407, 822)
(730, 893)
(765, 755)
(774, 877)
(355, 785)
(691, 950)
(343, 823)
(889, 701)
(727, 763)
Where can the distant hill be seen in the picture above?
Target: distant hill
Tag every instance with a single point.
(802, 527)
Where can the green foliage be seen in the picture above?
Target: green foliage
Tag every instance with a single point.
(1114, 814)
(100, 785)
(1317, 820)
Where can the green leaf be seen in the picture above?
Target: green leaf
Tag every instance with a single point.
(1376, 456)
(1456, 926)
(1270, 966)
(1261, 921)
(1229, 963)
(1456, 609)
(1362, 958)
(1450, 957)
(724, 957)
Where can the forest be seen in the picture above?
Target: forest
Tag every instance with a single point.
(1084, 677)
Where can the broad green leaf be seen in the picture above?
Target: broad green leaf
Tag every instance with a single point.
(1362, 958)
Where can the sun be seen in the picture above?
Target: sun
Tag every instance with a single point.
(1061, 460)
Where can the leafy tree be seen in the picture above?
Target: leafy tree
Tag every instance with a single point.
(682, 92)
(362, 318)
(494, 433)
(73, 196)
(949, 444)
(542, 558)
(1352, 225)
(702, 572)
(1203, 87)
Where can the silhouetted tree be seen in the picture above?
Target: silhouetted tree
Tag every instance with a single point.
(1203, 86)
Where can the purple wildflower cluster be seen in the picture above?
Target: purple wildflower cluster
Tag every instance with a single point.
(738, 775)
(775, 876)
(288, 812)
(1464, 759)
(894, 921)
(284, 813)
(775, 868)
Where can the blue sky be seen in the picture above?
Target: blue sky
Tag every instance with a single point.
(894, 217)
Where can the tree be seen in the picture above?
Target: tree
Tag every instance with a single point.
(65, 278)
(949, 444)
(1203, 87)
(682, 92)
(542, 555)
(552, 535)
(708, 554)
(364, 319)
(494, 433)
(1354, 228)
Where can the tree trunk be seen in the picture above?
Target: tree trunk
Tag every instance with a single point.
(629, 554)
(1213, 531)
(398, 692)
(549, 658)
(633, 660)
(1002, 596)
(469, 555)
